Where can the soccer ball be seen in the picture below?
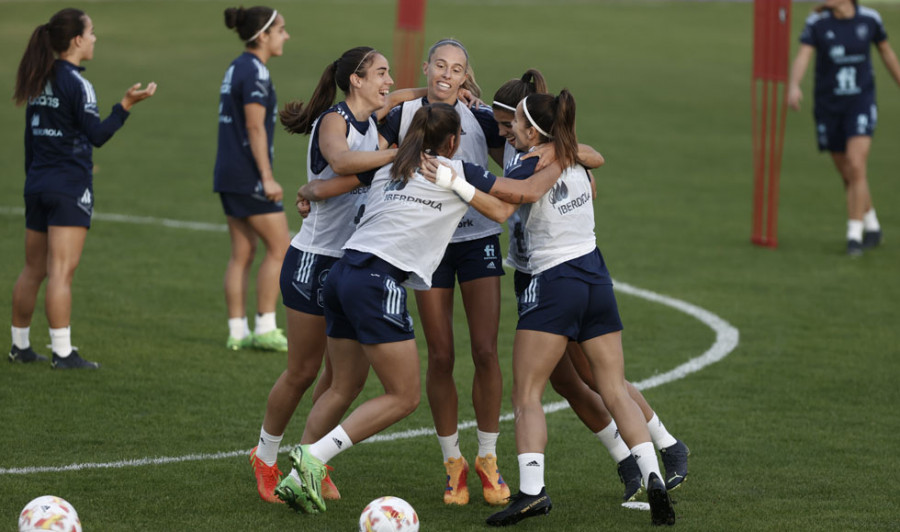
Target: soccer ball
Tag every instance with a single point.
(388, 514)
(49, 513)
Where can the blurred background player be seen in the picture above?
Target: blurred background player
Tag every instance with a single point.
(840, 33)
(251, 198)
(472, 258)
(341, 160)
(62, 123)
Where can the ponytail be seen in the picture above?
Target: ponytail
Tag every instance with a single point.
(429, 132)
(299, 119)
(47, 41)
(513, 91)
(554, 118)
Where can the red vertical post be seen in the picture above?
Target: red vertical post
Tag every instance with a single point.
(771, 45)
(409, 38)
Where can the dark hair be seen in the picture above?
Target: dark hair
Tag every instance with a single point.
(513, 91)
(448, 42)
(431, 127)
(248, 22)
(821, 7)
(54, 37)
(299, 119)
(556, 116)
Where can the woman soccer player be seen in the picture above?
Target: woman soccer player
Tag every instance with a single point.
(62, 123)
(840, 34)
(251, 198)
(473, 258)
(343, 142)
(572, 377)
(400, 241)
(569, 296)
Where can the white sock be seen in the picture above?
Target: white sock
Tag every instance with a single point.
(646, 459)
(870, 221)
(265, 323)
(238, 328)
(267, 450)
(658, 433)
(531, 473)
(487, 443)
(61, 341)
(20, 337)
(855, 230)
(450, 446)
(331, 445)
(614, 443)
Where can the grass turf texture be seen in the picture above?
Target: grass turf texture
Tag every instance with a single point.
(791, 431)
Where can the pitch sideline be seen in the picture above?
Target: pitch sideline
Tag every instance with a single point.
(727, 339)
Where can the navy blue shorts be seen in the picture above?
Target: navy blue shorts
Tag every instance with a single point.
(246, 205)
(467, 261)
(833, 129)
(302, 279)
(44, 209)
(365, 302)
(566, 306)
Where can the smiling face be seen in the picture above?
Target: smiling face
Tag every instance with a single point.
(445, 72)
(374, 87)
(504, 120)
(523, 132)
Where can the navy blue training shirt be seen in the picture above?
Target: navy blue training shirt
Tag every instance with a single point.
(61, 127)
(246, 81)
(843, 62)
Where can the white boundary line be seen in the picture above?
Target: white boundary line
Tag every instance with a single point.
(727, 339)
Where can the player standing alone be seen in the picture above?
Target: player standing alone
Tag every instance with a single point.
(62, 123)
(840, 33)
(251, 198)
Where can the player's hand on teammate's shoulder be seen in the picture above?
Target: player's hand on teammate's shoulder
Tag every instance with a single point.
(546, 153)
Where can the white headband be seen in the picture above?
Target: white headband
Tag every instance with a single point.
(531, 120)
(363, 60)
(503, 106)
(264, 28)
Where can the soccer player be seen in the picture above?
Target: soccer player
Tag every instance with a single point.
(568, 296)
(244, 179)
(343, 142)
(840, 33)
(472, 258)
(62, 123)
(572, 376)
(399, 241)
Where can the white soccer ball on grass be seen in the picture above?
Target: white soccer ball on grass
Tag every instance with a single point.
(49, 512)
(388, 514)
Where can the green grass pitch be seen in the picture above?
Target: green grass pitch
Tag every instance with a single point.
(794, 430)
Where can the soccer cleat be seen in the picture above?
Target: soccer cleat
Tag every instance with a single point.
(675, 460)
(73, 361)
(456, 491)
(267, 478)
(495, 490)
(871, 239)
(522, 506)
(25, 356)
(291, 492)
(311, 471)
(273, 340)
(236, 344)
(329, 490)
(661, 510)
(630, 475)
(854, 248)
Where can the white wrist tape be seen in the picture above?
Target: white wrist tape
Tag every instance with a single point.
(463, 188)
(443, 176)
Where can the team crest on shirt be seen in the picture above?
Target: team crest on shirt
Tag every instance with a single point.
(829, 35)
(862, 31)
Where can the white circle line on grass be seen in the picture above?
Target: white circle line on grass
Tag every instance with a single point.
(727, 339)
